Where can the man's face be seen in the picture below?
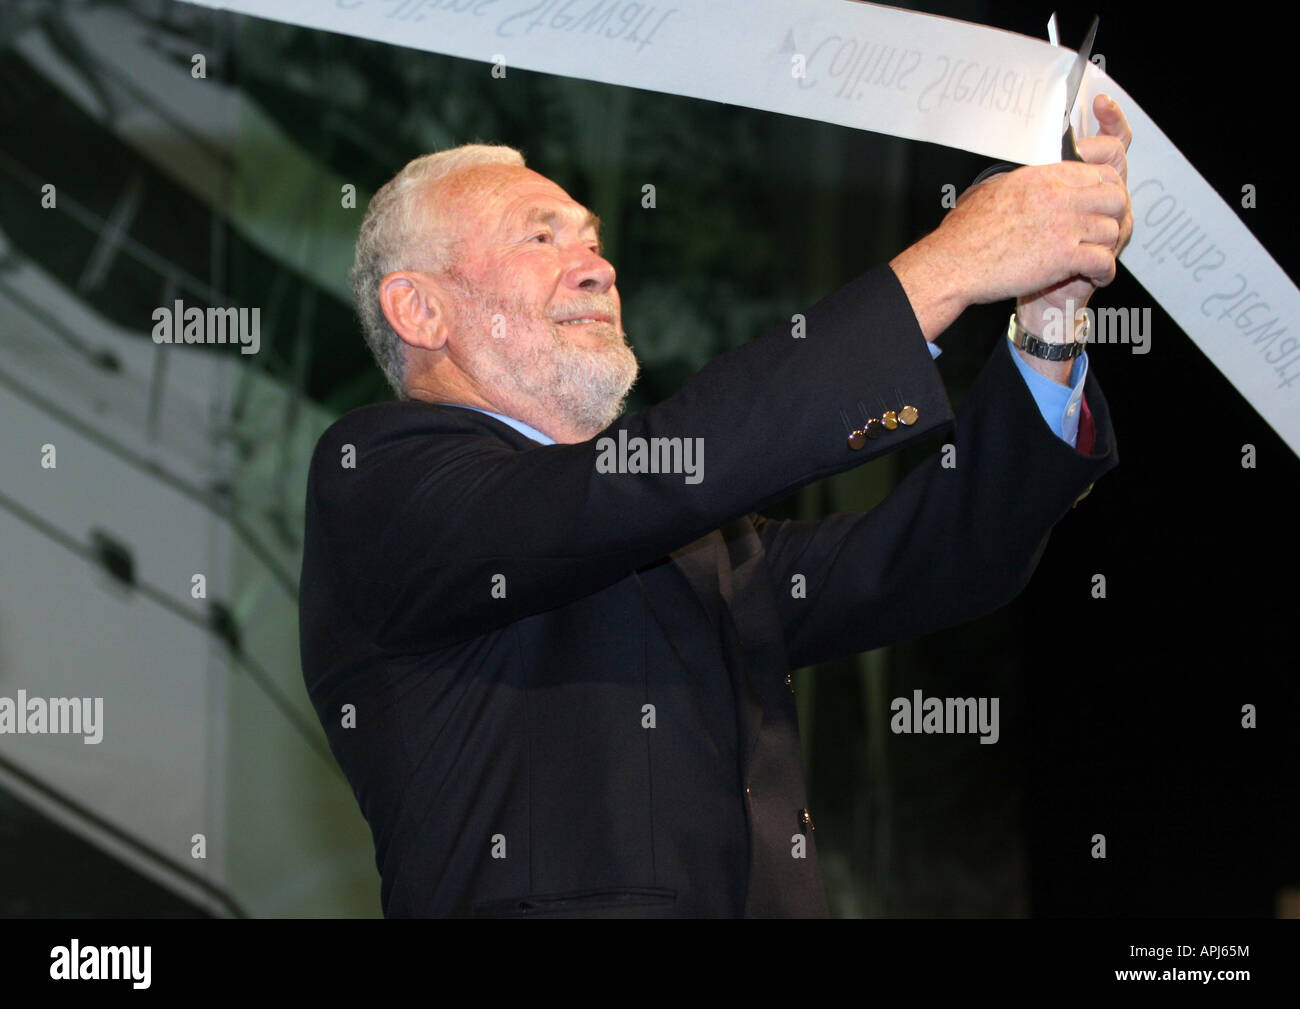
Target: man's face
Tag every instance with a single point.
(535, 313)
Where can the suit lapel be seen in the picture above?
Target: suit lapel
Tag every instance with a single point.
(707, 564)
(698, 564)
(716, 567)
(735, 584)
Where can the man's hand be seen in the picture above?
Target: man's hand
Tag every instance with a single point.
(1110, 148)
(1039, 234)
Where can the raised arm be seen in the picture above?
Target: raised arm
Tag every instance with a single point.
(437, 511)
(949, 543)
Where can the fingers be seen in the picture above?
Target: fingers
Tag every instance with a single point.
(1102, 150)
(1111, 119)
(1082, 173)
(1109, 198)
(1098, 229)
(1095, 262)
(1125, 232)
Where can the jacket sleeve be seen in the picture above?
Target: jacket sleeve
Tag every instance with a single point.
(949, 543)
(441, 530)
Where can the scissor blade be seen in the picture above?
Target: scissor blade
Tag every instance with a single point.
(1073, 82)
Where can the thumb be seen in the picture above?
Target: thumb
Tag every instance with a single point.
(1111, 119)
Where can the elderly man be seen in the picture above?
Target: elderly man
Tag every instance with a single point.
(557, 674)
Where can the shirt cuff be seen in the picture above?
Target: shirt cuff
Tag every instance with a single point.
(1059, 404)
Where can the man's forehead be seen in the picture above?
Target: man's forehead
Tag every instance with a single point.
(514, 193)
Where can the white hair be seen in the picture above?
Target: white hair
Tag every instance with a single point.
(398, 233)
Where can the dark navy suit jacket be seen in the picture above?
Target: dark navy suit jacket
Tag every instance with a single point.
(571, 687)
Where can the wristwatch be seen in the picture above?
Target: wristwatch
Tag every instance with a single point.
(1037, 346)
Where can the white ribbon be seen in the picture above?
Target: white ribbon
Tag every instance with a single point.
(896, 72)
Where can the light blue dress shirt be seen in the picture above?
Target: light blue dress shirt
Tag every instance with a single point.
(527, 430)
(1058, 404)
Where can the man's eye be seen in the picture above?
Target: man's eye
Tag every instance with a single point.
(544, 236)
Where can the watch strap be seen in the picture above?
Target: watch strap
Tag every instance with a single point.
(1038, 347)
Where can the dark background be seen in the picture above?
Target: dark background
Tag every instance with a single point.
(1132, 703)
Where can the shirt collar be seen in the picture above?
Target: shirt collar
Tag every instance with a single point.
(526, 430)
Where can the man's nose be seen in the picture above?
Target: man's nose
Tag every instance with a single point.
(591, 272)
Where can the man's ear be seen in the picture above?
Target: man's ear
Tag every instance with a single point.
(413, 303)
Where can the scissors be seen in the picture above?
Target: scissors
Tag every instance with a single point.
(1069, 151)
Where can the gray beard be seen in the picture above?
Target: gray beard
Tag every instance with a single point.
(590, 387)
(587, 387)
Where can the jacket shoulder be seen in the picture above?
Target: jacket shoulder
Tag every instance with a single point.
(378, 424)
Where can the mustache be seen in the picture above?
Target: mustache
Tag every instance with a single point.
(594, 306)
